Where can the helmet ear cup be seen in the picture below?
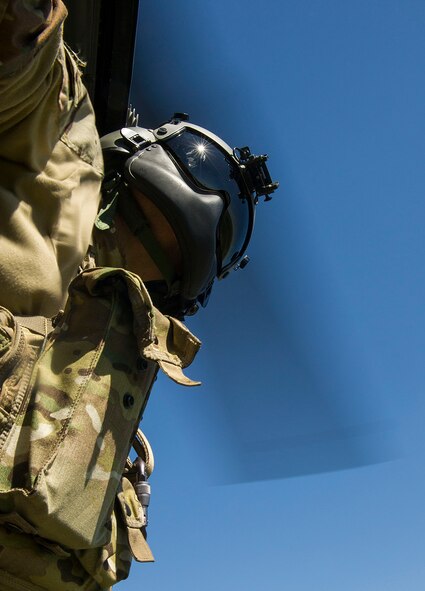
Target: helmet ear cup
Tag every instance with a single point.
(193, 213)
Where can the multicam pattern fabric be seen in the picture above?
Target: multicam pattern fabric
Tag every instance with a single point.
(67, 419)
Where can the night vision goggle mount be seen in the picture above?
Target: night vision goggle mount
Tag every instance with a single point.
(258, 176)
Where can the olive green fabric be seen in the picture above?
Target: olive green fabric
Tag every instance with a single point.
(69, 409)
(50, 159)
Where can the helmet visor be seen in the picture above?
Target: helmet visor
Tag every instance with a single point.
(214, 169)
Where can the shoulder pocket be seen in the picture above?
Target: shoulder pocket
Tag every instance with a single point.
(65, 454)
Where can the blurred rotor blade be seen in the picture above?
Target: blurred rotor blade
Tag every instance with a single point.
(280, 412)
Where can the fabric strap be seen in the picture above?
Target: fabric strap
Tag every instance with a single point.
(38, 324)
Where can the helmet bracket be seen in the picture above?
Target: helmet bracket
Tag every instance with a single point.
(257, 174)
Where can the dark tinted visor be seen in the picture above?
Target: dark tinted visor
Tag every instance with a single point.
(212, 168)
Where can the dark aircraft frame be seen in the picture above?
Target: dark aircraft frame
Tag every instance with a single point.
(103, 35)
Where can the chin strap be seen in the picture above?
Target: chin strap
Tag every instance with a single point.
(118, 199)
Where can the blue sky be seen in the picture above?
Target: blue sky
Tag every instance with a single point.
(299, 462)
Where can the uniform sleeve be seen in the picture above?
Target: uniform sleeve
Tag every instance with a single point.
(50, 159)
(25, 27)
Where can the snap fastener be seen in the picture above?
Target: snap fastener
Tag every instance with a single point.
(128, 400)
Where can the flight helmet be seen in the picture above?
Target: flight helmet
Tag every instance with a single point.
(206, 190)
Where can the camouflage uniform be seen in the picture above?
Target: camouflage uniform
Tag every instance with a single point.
(71, 520)
(70, 400)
